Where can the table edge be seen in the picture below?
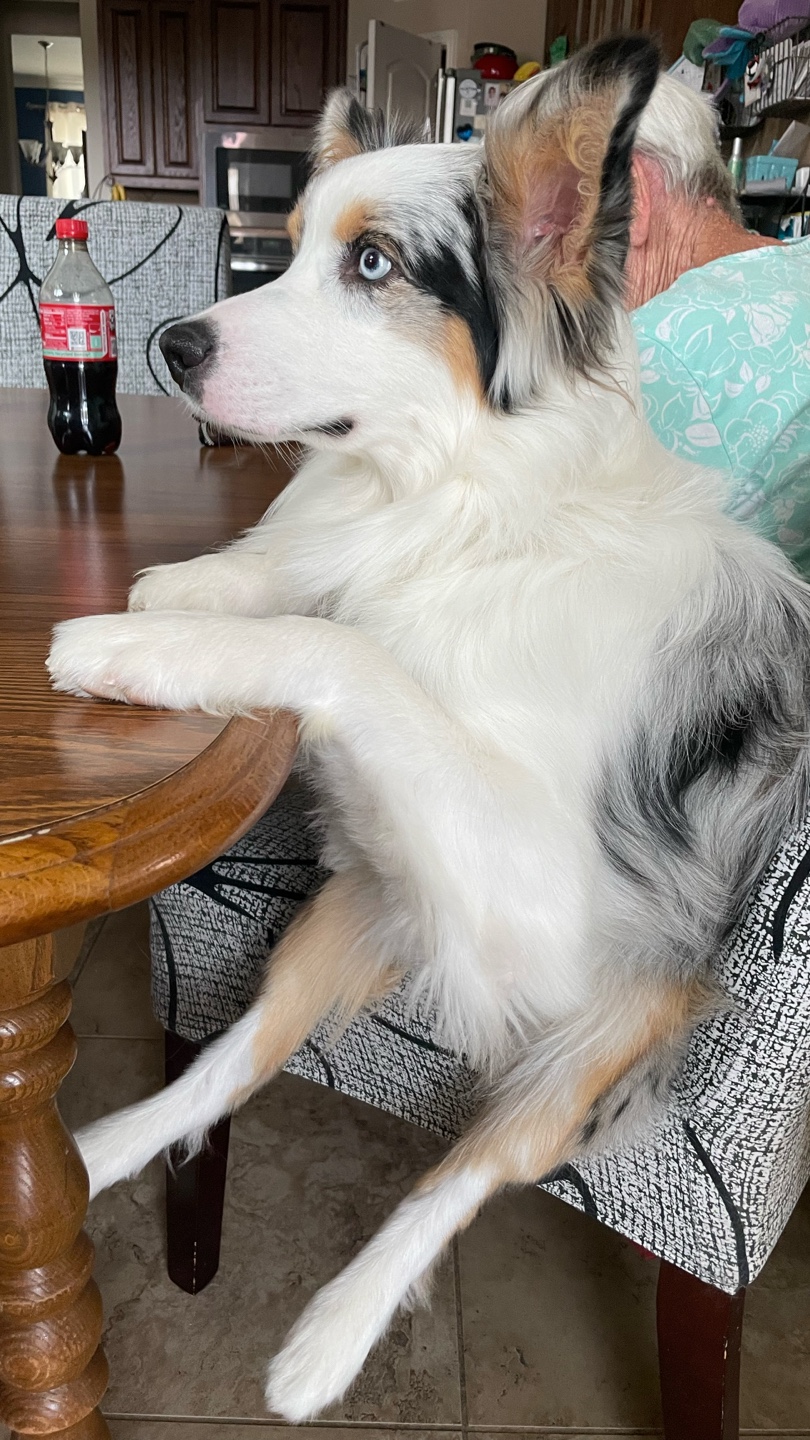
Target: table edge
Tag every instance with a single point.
(112, 856)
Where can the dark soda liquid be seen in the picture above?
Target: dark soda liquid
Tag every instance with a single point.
(83, 414)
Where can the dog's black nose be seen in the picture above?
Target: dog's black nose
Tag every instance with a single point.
(186, 346)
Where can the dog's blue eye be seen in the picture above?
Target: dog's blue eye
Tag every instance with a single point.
(373, 265)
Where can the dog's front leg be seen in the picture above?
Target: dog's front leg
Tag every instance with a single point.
(231, 582)
(472, 832)
(333, 676)
(419, 764)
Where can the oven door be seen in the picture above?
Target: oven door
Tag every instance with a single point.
(257, 259)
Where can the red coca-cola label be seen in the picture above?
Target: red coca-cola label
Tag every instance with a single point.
(78, 332)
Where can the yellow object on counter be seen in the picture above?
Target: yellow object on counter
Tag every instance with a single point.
(527, 70)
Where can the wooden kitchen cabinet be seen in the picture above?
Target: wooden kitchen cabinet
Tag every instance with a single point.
(308, 44)
(176, 87)
(237, 62)
(172, 67)
(126, 77)
(150, 72)
(270, 62)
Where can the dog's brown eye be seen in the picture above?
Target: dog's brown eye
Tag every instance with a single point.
(373, 265)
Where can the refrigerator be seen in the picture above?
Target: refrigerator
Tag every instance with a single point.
(466, 102)
(406, 74)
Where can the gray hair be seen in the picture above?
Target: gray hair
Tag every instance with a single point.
(679, 132)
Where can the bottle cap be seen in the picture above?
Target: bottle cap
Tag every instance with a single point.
(71, 229)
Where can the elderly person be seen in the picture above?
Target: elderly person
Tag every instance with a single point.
(722, 319)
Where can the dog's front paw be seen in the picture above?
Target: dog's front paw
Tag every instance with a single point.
(189, 585)
(134, 658)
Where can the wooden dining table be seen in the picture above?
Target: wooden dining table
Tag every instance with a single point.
(100, 805)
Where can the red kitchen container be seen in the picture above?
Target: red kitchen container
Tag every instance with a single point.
(495, 62)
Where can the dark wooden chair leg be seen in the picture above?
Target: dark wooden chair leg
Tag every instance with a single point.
(195, 1191)
(699, 1334)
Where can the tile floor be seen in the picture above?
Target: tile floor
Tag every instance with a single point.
(542, 1320)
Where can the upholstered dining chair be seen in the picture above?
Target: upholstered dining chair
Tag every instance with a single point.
(708, 1193)
(162, 262)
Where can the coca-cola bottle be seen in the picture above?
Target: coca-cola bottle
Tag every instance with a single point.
(77, 321)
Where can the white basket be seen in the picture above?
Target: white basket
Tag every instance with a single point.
(785, 75)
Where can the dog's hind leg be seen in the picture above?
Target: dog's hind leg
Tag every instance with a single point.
(326, 960)
(556, 1104)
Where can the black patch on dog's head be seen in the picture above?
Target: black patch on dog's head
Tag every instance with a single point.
(461, 288)
(371, 130)
(637, 58)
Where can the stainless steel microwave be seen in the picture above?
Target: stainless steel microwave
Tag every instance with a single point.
(256, 184)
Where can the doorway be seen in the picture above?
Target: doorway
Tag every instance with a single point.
(51, 118)
(49, 101)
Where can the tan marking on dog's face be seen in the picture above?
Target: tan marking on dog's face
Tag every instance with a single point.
(295, 225)
(459, 352)
(419, 319)
(357, 219)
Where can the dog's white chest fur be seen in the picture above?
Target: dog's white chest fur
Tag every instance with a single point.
(529, 642)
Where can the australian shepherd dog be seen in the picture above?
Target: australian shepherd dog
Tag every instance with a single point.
(553, 701)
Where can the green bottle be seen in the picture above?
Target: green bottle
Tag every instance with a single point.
(736, 164)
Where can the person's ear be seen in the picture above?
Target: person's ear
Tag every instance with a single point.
(642, 202)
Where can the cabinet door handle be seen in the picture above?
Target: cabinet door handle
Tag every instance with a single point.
(263, 265)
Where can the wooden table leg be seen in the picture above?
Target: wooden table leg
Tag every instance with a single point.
(53, 1372)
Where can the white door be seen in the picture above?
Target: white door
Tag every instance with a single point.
(402, 73)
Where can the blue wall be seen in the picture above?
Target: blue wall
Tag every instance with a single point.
(30, 126)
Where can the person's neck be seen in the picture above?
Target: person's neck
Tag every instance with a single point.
(682, 237)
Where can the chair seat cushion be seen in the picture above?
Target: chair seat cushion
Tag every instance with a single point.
(710, 1190)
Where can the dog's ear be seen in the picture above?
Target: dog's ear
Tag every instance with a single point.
(558, 187)
(346, 128)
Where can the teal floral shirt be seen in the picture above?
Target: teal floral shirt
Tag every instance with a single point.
(725, 375)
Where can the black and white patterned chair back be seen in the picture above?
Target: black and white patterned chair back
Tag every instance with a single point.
(162, 262)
